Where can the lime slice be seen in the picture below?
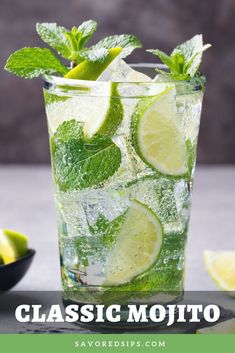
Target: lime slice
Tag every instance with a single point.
(100, 114)
(89, 70)
(221, 267)
(157, 136)
(13, 245)
(137, 247)
(227, 326)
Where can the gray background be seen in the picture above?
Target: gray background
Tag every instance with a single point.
(158, 23)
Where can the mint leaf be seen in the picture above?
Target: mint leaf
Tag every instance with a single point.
(66, 43)
(80, 163)
(55, 36)
(68, 130)
(166, 59)
(87, 29)
(178, 62)
(107, 229)
(33, 62)
(192, 66)
(94, 55)
(128, 42)
(105, 232)
(191, 51)
(199, 80)
(185, 59)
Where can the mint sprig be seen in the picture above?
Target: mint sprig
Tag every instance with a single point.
(87, 29)
(79, 163)
(67, 43)
(184, 61)
(127, 42)
(33, 62)
(55, 36)
(70, 45)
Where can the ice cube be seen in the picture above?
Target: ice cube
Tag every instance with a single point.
(120, 71)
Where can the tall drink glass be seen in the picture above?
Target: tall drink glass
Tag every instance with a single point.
(123, 156)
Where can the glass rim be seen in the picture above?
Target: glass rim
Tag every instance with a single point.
(93, 88)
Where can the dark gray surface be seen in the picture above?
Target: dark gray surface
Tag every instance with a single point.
(26, 205)
(158, 23)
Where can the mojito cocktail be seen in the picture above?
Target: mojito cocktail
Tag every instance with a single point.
(123, 156)
(123, 145)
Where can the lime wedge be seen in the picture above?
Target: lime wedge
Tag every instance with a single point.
(13, 245)
(89, 70)
(137, 247)
(156, 134)
(101, 114)
(221, 267)
(227, 326)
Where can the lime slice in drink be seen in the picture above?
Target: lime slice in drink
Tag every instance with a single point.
(157, 136)
(227, 326)
(89, 70)
(137, 247)
(13, 245)
(221, 267)
(100, 114)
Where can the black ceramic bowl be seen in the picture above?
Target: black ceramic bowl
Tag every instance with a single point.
(12, 273)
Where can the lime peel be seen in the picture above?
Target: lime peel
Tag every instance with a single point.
(89, 70)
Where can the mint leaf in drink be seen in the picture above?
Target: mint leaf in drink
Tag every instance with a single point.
(184, 61)
(66, 43)
(87, 29)
(71, 44)
(79, 163)
(107, 230)
(166, 59)
(127, 42)
(74, 37)
(94, 55)
(55, 36)
(67, 131)
(104, 235)
(191, 52)
(33, 62)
